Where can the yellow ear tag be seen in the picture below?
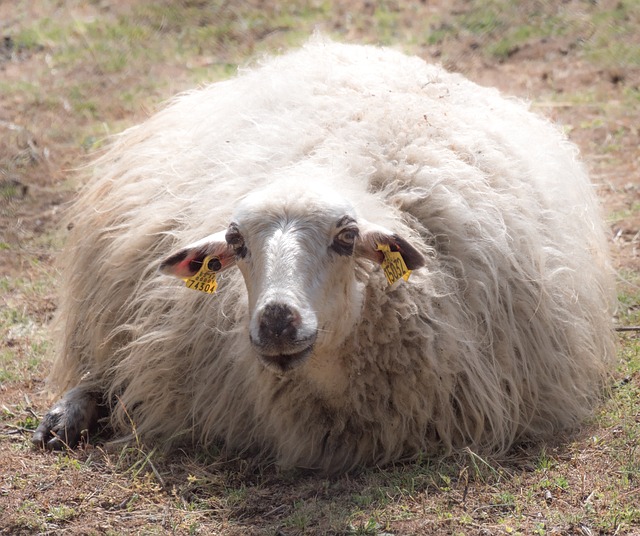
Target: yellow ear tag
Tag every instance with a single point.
(393, 265)
(205, 279)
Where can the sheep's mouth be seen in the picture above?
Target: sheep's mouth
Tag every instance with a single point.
(285, 362)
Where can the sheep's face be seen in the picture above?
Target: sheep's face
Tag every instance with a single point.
(297, 256)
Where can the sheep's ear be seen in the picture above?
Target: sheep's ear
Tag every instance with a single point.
(186, 262)
(373, 236)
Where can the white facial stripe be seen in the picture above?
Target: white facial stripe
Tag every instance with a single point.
(295, 278)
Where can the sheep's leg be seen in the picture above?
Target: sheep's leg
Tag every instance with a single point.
(70, 419)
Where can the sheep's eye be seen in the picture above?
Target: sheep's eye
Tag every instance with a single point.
(347, 236)
(345, 240)
(235, 240)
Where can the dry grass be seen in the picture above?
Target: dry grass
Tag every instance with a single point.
(72, 73)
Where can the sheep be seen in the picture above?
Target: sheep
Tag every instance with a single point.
(403, 263)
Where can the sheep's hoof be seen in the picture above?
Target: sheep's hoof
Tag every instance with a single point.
(69, 421)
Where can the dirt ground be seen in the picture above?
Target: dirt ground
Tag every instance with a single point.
(44, 136)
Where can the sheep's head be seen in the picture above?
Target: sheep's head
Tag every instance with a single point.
(297, 254)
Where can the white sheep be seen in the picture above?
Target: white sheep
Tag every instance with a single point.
(305, 167)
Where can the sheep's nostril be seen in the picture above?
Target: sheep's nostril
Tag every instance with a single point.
(279, 322)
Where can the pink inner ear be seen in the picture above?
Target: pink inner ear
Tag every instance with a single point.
(182, 268)
(179, 263)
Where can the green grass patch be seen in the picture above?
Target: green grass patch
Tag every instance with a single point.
(24, 338)
(628, 313)
(61, 513)
(605, 35)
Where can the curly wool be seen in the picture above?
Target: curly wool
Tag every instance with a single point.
(504, 336)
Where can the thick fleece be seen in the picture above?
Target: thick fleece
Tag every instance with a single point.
(504, 335)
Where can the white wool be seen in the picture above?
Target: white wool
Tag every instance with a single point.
(504, 336)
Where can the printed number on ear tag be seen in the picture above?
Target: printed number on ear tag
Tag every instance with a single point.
(393, 265)
(205, 279)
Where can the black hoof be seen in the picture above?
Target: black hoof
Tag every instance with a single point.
(68, 422)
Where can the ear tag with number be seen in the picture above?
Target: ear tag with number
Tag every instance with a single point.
(205, 279)
(393, 265)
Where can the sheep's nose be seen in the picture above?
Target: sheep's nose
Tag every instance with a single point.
(279, 323)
